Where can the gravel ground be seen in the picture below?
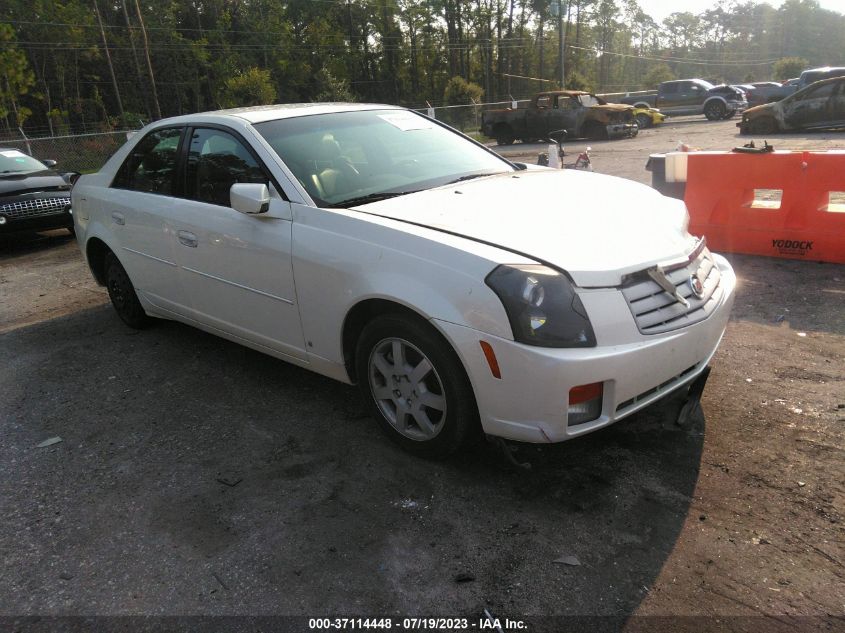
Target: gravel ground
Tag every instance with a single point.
(197, 477)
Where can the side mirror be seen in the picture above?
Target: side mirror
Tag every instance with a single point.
(249, 198)
(49, 163)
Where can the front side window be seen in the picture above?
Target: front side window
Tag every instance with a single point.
(216, 161)
(151, 166)
(822, 92)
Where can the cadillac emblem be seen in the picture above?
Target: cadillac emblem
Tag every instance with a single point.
(696, 286)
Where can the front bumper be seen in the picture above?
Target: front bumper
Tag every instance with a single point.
(622, 130)
(530, 402)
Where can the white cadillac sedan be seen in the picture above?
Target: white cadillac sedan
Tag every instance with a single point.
(376, 246)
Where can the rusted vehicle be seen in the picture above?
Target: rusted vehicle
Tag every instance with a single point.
(818, 106)
(581, 114)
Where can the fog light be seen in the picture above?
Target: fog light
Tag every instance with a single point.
(2, 220)
(585, 403)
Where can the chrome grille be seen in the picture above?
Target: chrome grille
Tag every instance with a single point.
(33, 207)
(656, 311)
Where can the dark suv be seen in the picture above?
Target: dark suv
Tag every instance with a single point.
(33, 196)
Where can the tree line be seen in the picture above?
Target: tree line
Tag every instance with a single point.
(81, 65)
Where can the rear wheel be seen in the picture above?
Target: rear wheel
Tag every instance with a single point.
(122, 294)
(416, 386)
(729, 114)
(714, 110)
(504, 135)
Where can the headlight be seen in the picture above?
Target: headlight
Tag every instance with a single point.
(542, 306)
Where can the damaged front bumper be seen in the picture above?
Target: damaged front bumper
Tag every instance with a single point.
(622, 130)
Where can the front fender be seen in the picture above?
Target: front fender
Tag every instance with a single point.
(341, 258)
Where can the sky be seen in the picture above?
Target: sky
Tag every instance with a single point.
(659, 9)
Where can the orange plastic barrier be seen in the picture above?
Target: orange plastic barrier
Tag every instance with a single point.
(732, 200)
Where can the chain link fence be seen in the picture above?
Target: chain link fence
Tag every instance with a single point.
(84, 153)
(467, 118)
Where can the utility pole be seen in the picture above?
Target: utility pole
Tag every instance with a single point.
(111, 67)
(156, 108)
(560, 43)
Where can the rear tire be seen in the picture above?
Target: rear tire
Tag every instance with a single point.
(122, 294)
(715, 110)
(415, 386)
(504, 134)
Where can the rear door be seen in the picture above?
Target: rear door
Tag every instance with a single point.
(138, 208)
(236, 268)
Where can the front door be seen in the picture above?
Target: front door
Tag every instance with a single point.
(236, 268)
(813, 108)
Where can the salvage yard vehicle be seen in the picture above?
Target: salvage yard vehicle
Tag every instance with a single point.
(376, 246)
(580, 113)
(33, 196)
(681, 97)
(648, 117)
(818, 106)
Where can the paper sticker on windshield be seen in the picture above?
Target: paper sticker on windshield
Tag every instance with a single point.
(13, 153)
(406, 121)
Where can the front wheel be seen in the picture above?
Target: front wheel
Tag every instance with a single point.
(122, 294)
(715, 111)
(762, 125)
(416, 386)
(644, 121)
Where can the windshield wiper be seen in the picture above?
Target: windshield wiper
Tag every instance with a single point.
(370, 197)
(471, 176)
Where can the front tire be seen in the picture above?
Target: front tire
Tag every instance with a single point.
(715, 110)
(122, 294)
(644, 121)
(595, 131)
(415, 385)
(762, 125)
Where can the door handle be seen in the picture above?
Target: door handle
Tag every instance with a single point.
(187, 239)
(118, 218)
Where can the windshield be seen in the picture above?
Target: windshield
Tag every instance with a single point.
(362, 156)
(13, 161)
(588, 101)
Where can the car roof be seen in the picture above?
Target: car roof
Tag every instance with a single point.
(259, 114)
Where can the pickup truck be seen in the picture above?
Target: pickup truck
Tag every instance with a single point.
(692, 96)
(581, 114)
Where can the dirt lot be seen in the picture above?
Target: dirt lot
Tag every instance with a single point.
(198, 477)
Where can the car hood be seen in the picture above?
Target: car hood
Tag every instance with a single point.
(597, 228)
(757, 110)
(46, 180)
(612, 107)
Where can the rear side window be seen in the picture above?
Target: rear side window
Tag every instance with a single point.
(670, 89)
(216, 161)
(151, 167)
